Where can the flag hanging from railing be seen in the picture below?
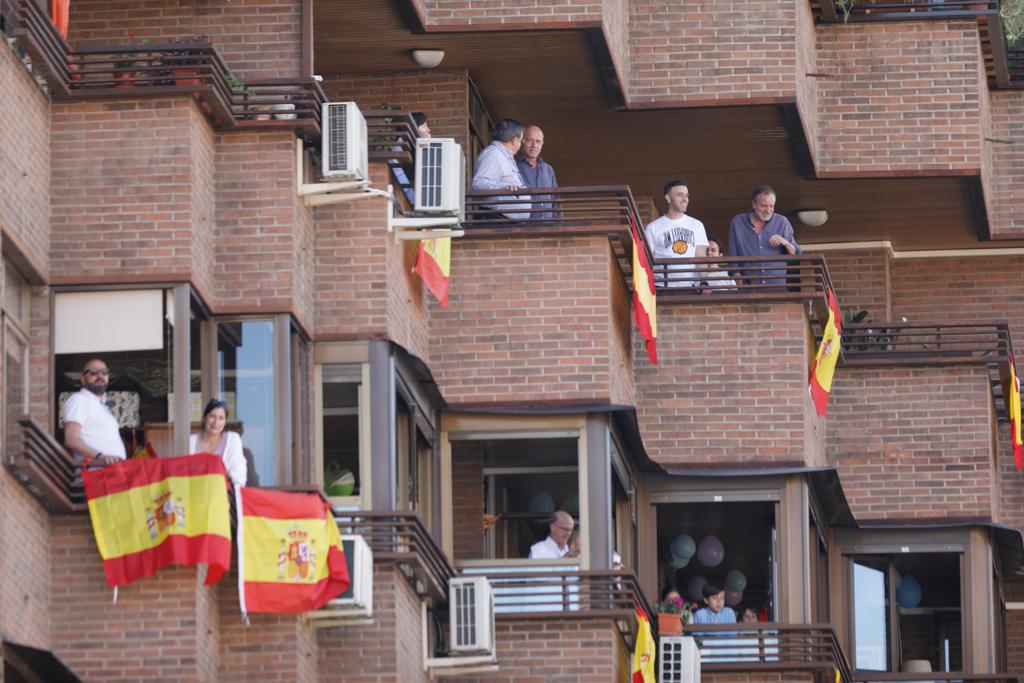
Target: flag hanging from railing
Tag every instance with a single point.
(644, 304)
(434, 263)
(290, 557)
(1013, 408)
(824, 367)
(644, 652)
(149, 513)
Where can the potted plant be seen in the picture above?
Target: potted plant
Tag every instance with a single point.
(671, 615)
(179, 61)
(123, 76)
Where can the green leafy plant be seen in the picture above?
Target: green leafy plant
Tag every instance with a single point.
(233, 81)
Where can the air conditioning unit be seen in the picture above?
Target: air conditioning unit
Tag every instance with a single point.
(440, 176)
(678, 660)
(471, 614)
(345, 151)
(355, 604)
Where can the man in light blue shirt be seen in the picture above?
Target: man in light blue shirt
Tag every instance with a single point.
(762, 232)
(714, 610)
(496, 169)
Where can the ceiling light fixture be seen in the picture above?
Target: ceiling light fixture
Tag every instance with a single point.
(426, 59)
(812, 218)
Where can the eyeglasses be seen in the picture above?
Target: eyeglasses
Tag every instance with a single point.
(563, 528)
(99, 372)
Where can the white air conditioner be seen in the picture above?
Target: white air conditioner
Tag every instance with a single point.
(440, 176)
(678, 660)
(471, 614)
(355, 604)
(345, 152)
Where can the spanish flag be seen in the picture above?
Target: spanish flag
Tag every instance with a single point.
(434, 264)
(290, 557)
(644, 653)
(149, 513)
(824, 367)
(643, 295)
(1013, 408)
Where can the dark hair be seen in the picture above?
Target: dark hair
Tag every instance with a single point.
(213, 405)
(711, 589)
(419, 117)
(668, 589)
(762, 189)
(674, 183)
(506, 129)
(712, 239)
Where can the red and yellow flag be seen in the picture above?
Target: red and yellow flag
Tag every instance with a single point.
(644, 652)
(1013, 408)
(434, 264)
(149, 513)
(290, 553)
(824, 367)
(643, 295)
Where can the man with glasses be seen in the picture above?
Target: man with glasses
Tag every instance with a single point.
(556, 545)
(90, 429)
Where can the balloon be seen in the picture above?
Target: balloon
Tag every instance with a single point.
(696, 587)
(683, 547)
(572, 505)
(542, 502)
(676, 563)
(711, 552)
(736, 581)
(908, 593)
(733, 598)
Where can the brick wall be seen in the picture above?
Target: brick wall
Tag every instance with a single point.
(806, 85)
(24, 160)
(156, 630)
(861, 279)
(914, 443)
(1014, 592)
(528, 321)
(582, 651)
(24, 566)
(387, 651)
(442, 94)
(202, 205)
(900, 97)
(694, 53)
(256, 38)
(730, 387)
(507, 13)
(1006, 188)
(467, 501)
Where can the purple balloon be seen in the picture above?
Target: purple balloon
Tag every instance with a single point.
(711, 552)
(695, 588)
(733, 598)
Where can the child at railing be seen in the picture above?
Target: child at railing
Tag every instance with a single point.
(714, 276)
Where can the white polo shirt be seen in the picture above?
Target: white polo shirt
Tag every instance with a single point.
(99, 426)
(547, 550)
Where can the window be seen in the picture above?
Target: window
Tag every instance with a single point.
(341, 390)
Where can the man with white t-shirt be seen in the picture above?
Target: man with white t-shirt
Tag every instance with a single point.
(676, 235)
(90, 429)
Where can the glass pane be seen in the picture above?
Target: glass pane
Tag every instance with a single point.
(245, 379)
(870, 594)
(15, 382)
(340, 390)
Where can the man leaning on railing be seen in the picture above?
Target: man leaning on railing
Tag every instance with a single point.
(762, 232)
(496, 169)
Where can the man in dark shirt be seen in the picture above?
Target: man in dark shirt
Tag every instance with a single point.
(762, 232)
(535, 171)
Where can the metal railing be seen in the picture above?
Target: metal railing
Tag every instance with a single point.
(558, 212)
(738, 648)
(45, 468)
(401, 538)
(880, 677)
(138, 70)
(391, 136)
(922, 344)
(742, 278)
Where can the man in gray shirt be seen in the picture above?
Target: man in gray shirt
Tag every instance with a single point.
(535, 171)
(762, 232)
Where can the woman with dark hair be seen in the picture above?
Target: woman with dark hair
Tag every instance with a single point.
(215, 440)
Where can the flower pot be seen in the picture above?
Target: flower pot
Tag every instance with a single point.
(124, 79)
(283, 107)
(187, 77)
(669, 624)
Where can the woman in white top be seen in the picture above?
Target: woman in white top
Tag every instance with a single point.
(214, 440)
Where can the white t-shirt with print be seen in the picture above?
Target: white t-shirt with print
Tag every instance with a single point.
(676, 238)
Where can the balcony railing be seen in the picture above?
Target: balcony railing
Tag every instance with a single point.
(533, 590)
(558, 212)
(124, 71)
(401, 538)
(873, 677)
(921, 344)
(742, 279)
(741, 648)
(45, 468)
(391, 135)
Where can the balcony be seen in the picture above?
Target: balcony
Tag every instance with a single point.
(45, 469)
(155, 70)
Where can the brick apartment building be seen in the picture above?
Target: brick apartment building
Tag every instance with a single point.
(150, 214)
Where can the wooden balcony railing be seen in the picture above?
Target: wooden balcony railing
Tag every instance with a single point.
(920, 344)
(141, 70)
(401, 538)
(742, 279)
(558, 212)
(881, 677)
(742, 648)
(534, 590)
(45, 468)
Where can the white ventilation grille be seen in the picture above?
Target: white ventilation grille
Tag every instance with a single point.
(471, 615)
(431, 165)
(678, 660)
(440, 176)
(464, 626)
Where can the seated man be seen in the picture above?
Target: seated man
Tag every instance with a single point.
(496, 169)
(714, 610)
(762, 232)
(90, 429)
(676, 235)
(556, 545)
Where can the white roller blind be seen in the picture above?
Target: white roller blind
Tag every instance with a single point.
(94, 322)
